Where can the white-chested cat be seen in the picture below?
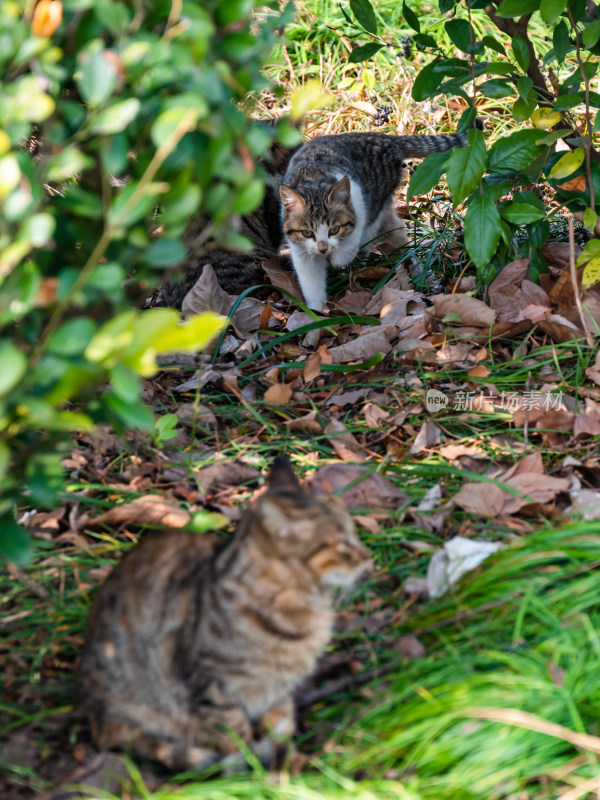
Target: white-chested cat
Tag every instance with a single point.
(338, 196)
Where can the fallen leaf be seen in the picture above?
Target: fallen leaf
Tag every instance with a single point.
(533, 488)
(308, 422)
(586, 425)
(346, 398)
(464, 309)
(278, 394)
(196, 415)
(312, 367)
(282, 278)
(225, 474)
(354, 302)
(486, 499)
(409, 646)
(479, 371)
(343, 442)
(149, 510)
(364, 346)
(454, 451)
(587, 503)
(375, 491)
(297, 319)
(374, 415)
(428, 435)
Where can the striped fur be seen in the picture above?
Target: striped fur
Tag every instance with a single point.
(338, 196)
(188, 639)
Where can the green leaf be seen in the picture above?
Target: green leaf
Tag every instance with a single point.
(591, 34)
(96, 78)
(67, 163)
(45, 475)
(427, 174)
(72, 337)
(494, 44)
(165, 252)
(466, 166)
(411, 18)
(131, 414)
(124, 213)
(248, 197)
(14, 365)
(550, 10)
(363, 11)
(424, 40)
(567, 164)
(564, 102)
(514, 152)
(459, 32)
(15, 544)
(522, 213)
(516, 8)
(166, 427)
(427, 82)
(497, 87)
(364, 52)
(560, 40)
(591, 273)
(167, 122)
(115, 118)
(589, 219)
(520, 51)
(482, 230)
(125, 383)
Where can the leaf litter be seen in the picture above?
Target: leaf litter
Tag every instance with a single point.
(348, 400)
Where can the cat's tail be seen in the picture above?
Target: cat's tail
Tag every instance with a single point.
(422, 146)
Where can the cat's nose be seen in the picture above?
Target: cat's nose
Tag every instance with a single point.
(323, 247)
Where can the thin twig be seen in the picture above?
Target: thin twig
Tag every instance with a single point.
(588, 117)
(582, 314)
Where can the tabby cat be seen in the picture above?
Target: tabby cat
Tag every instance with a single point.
(188, 642)
(338, 196)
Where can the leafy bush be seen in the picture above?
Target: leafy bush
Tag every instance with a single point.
(118, 122)
(547, 79)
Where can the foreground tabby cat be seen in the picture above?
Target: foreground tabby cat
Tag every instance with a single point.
(185, 644)
(338, 195)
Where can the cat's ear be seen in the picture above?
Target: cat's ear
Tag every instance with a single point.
(341, 191)
(291, 200)
(282, 478)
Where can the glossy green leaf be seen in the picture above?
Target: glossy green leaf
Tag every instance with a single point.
(14, 366)
(550, 10)
(364, 52)
(591, 33)
(520, 51)
(165, 253)
(466, 166)
(482, 230)
(72, 337)
(560, 40)
(411, 18)
(522, 213)
(97, 76)
(15, 544)
(514, 152)
(517, 8)
(365, 15)
(460, 33)
(427, 174)
(115, 118)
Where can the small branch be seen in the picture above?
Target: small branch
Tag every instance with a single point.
(576, 292)
(588, 117)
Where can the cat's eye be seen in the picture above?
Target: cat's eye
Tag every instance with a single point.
(334, 230)
(308, 234)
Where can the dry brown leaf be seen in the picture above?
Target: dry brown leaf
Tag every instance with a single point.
(409, 646)
(560, 329)
(225, 474)
(282, 278)
(479, 371)
(486, 499)
(428, 435)
(533, 488)
(586, 425)
(374, 415)
(397, 304)
(506, 286)
(557, 254)
(346, 398)
(374, 492)
(362, 105)
(454, 451)
(529, 463)
(308, 422)
(463, 308)
(343, 442)
(207, 295)
(355, 302)
(149, 510)
(297, 319)
(312, 367)
(278, 394)
(364, 346)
